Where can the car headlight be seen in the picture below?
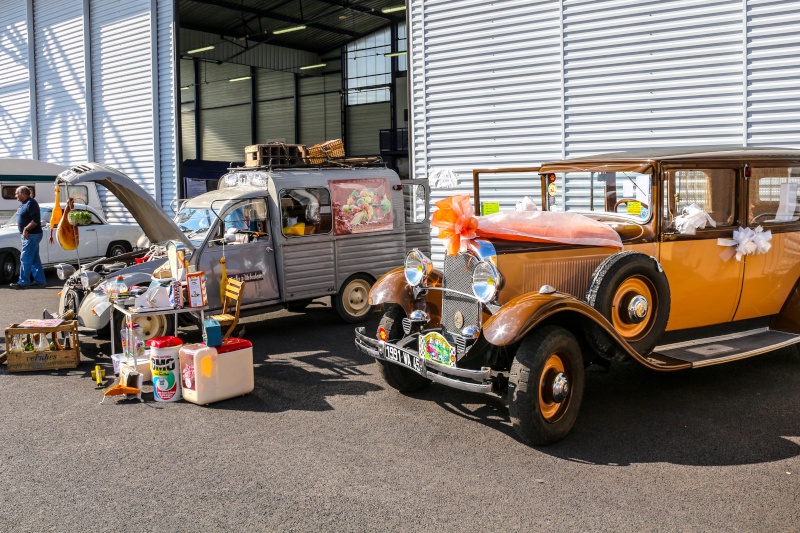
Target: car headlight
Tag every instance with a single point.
(90, 279)
(417, 267)
(64, 270)
(486, 281)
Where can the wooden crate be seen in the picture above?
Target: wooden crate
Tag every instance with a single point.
(322, 152)
(261, 155)
(49, 359)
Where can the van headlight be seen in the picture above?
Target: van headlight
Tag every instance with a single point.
(486, 281)
(417, 267)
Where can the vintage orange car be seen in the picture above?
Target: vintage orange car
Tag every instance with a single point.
(674, 259)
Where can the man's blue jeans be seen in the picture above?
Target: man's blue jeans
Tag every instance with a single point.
(30, 262)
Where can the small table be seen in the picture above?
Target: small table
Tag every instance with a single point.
(130, 314)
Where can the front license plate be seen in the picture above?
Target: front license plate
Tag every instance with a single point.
(404, 357)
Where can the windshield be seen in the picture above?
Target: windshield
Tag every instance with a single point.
(195, 223)
(44, 213)
(627, 194)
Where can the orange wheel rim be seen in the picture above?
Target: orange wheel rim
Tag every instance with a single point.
(552, 410)
(628, 289)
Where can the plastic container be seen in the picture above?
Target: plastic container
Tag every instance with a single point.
(118, 289)
(142, 364)
(132, 338)
(164, 365)
(213, 374)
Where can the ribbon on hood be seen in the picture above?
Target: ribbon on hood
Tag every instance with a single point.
(455, 220)
(746, 241)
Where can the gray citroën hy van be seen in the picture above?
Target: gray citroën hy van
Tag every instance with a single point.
(293, 234)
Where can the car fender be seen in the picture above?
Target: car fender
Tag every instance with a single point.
(518, 317)
(88, 316)
(392, 287)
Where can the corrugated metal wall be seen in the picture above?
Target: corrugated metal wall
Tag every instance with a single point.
(188, 149)
(224, 111)
(275, 102)
(363, 138)
(167, 113)
(122, 94)
(128, 89)
(516, 83)
(773, 73)
(15, 102)
(320, 108)
(60, 81)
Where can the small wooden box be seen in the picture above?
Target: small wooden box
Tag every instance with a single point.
(261, 155)
(49, 359)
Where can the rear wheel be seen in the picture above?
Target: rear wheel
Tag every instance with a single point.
(118, 248)
(352, 302)
(8, 267)
(397, 377)
(545, 386)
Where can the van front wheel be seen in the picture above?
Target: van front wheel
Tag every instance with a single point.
(352, 302)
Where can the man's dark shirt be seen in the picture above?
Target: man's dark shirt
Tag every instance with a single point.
(29, 210)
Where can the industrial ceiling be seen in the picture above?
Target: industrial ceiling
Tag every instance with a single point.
(329, 24)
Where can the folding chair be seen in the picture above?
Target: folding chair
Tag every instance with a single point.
(233, 291)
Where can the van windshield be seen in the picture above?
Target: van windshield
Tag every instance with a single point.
(195, 223)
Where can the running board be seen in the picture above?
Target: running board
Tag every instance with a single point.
(725, 348)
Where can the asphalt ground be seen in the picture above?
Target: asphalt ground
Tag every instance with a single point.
(322, 444)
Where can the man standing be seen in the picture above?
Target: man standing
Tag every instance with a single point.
(29, 222)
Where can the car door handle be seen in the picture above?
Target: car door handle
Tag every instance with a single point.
(91, 230)
(268, 249)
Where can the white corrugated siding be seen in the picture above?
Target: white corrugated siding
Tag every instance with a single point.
(651, 74)
(122, 93)
(167, 113)
(60, 81)
(773, 73)
(486, 91)
(15, 103)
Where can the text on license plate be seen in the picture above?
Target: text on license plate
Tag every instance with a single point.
(404, 357)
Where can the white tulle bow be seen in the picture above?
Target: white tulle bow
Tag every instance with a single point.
(746, 241)
(692, 219)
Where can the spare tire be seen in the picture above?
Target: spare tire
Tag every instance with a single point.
(631, 290)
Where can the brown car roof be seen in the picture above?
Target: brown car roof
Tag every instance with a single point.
(639, 160)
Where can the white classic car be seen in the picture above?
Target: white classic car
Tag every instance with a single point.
(99, 239)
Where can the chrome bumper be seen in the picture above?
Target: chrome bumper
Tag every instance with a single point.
(458, 378)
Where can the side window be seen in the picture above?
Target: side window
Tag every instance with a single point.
(9, 191)
(773, 196)
(711, 190)
(245, 222)
(306, 212)
(96, 220)
(415, 203)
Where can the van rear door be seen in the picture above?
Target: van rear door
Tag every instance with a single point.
(416, 195)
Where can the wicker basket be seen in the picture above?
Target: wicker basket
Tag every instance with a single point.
(319, 153)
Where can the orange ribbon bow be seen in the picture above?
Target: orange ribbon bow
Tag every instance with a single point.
(455, 221)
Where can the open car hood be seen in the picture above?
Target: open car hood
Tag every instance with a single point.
(157, 226)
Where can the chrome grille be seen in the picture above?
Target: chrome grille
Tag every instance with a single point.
(458, 277)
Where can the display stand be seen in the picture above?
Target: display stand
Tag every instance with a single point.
(130, 315)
